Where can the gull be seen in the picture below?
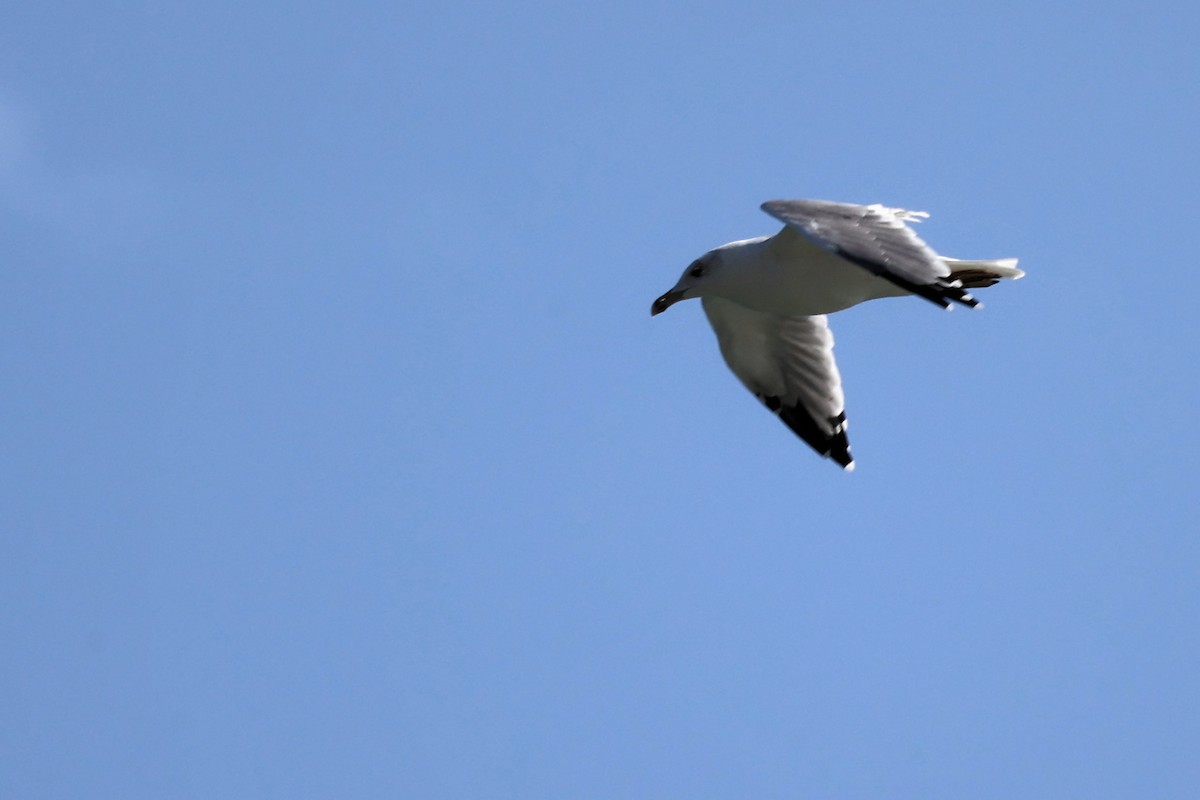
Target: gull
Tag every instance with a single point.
(767, 299)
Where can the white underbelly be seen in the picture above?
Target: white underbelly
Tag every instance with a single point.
(822, 284)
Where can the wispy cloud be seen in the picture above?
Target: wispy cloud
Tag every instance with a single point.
(102, 206)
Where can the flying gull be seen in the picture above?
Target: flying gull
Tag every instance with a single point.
(767, 298)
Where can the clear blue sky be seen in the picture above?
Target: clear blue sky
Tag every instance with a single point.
(340, 456)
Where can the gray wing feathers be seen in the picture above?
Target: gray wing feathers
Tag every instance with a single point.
(875, 238)
(804, 349)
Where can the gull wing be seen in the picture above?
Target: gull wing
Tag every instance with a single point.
(875, 238)
(787, 363)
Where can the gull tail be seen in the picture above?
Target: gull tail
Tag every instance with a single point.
(978, 274)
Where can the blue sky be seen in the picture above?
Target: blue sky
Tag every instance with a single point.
(342, 457)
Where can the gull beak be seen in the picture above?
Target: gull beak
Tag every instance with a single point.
(666, 301)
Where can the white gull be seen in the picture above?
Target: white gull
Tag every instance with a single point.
(767, 298)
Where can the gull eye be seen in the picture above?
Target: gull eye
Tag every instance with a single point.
(696, 271)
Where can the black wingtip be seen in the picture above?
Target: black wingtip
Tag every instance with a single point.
(944, 294)
(839, 444)
(834, 446)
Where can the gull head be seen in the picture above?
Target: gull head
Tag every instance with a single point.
(693, 283)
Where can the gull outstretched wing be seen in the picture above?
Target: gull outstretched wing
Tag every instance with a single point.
(787, 363)
(875, 238)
